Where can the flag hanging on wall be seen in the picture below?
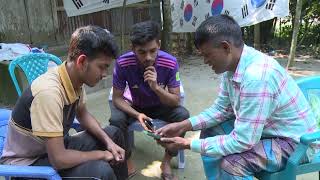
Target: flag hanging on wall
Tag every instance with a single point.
(187, 15)
(80, 7)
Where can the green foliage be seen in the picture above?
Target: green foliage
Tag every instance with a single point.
(286, 32)
(309, 32)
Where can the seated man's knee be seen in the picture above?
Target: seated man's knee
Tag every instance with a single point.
(185, 113)
(104, 170)
(233, 165)
(182, 113)
(100, 169)
(116, 134)
(119, 122)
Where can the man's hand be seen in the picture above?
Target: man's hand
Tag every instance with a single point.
(141, 117)
(108, 156)
(174, 129)
(150, 76)
(175, 143)
(117, 152)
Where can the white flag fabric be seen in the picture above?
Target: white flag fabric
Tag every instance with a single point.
(80, 7)
(187, 15)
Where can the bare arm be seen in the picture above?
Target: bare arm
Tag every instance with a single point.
(120, 103)
(170, 98)
(61, 158)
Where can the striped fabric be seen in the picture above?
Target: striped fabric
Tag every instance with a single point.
(268, 155)
(264, 101)
(127, 61)
(165, 62)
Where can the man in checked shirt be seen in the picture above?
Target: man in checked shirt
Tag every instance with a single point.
(261, 104)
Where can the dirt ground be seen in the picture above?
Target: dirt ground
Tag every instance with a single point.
(200, 87)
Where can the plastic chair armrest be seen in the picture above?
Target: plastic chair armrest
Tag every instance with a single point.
(309, 138)
(29, 171)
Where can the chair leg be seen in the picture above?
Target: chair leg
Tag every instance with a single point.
(181, 159)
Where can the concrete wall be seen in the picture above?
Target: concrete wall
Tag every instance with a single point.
(26, 21)
(40, 20)
(13, 21)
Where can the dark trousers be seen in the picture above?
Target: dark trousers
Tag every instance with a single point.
(98, 169)
(165, 113)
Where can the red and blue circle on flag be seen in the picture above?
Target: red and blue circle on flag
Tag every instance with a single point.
(217, 6)
(188, 12)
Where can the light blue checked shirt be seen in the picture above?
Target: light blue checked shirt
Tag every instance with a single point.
(264, 101)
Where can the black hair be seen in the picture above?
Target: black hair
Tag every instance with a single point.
(144, 32)
(218, 28)
(92, 41)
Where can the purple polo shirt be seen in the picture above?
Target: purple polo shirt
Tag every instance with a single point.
(128, 71)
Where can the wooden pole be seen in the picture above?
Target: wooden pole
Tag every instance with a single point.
(166, 45)
(295, 34)
(123, 23)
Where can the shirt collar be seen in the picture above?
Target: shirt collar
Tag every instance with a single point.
(244, 62)
(72, 93)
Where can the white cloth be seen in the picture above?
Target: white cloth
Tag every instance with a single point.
(187, 15)
(79, 7)
(11, 51)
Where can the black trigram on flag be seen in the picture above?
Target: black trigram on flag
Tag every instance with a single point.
(77, 3)
(207, 16)
(270, 5)
(195, 3)
(208, 1)
(106, 1)
(194, 21)
(226, 12)
(245, 11)
(181, 21)
(182, 4)
(172, 7)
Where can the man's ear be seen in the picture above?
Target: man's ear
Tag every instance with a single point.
(226, 46)
(82, 62)
(159, 42)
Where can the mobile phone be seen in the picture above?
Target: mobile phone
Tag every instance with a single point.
(149, 125)
(152, 134)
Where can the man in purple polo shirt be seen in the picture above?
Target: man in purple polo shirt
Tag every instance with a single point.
(152, 77)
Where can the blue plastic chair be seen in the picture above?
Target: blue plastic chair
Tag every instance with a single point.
(4, 114)
(293, 166)
(136, 126)
(7, 171)
(33, 65)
